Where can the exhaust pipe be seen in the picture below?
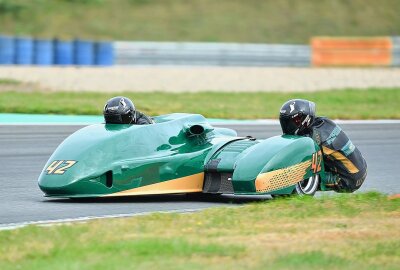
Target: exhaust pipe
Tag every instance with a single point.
(197, 129)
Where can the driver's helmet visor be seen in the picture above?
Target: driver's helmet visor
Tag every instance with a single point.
(113, 118)
(290, 123)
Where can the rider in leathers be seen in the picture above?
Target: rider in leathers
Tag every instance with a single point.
(346, 168)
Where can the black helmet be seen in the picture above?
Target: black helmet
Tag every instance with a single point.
(119, 110)
(296, 116)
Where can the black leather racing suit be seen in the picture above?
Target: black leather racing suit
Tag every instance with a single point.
(343, 161)
(142, 119)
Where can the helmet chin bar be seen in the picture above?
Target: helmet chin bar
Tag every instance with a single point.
(303, 124)
(306, 120)
(133, 117)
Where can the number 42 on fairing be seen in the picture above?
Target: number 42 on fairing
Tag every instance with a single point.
(60, 166)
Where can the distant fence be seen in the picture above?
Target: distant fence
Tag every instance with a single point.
(323, 51)
(396, 51)
(219, 54)
(29, 51)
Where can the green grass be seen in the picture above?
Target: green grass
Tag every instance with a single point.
(6, 82)
(342, 232)
(285, 21)
(344, 104)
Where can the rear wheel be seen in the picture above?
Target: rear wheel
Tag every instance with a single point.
(307, 186)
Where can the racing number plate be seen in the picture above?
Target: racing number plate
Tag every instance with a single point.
(60, 166)
(316, 161)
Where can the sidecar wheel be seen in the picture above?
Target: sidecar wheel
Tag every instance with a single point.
(307, 186)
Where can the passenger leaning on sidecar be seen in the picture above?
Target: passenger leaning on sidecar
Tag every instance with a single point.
(120, 110)
(346, 168)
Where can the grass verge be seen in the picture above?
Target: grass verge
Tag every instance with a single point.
(13, 82)
(277, 21)
(342, 232)
(345, 104)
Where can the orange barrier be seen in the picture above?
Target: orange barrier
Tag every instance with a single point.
(328, 51)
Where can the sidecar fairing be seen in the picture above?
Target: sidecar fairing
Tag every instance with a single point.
(180, 153)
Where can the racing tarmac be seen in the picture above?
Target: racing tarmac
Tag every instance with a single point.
(24, 151)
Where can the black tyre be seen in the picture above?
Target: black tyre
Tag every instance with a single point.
(282, 195)
(202, 196)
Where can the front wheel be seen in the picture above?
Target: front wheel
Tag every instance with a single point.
(307, 186)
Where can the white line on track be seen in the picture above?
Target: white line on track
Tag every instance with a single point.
(276, 122)
(224, 123)
(47, 124)
(11, 226)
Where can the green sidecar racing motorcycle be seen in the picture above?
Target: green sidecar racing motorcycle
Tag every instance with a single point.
(180, 153)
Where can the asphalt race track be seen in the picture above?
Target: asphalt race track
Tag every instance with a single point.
(25, 149)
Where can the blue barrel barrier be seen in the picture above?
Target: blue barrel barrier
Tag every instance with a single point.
(43, 52)
(83, 52)
(104, 54)
(63, 52)
(6, 50)
(23, 51)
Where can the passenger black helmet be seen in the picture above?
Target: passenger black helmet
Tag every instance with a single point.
(119, 110)
(296, 116)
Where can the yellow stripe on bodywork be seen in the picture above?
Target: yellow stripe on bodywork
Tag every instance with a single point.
(282, 178)
(191, 183)
(340, 157)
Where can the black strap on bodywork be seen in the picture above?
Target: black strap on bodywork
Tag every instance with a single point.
(212, 165)
(250, 138)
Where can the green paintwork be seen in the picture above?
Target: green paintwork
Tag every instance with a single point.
(140, 155)
(247, 159)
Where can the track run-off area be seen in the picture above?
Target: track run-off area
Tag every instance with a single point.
(24, 150)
